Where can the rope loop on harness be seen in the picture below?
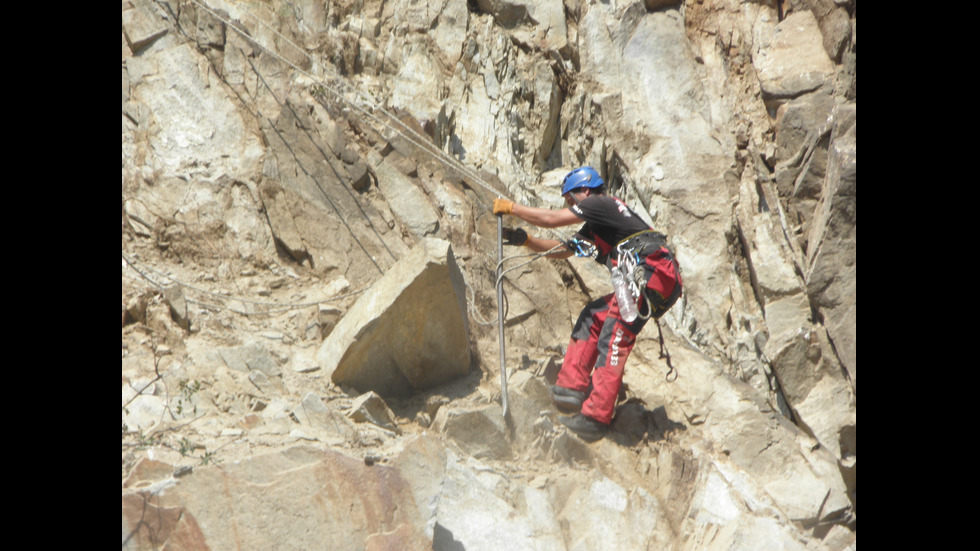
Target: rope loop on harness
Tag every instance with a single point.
(629, 264)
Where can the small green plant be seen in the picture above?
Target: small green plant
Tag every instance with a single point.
(209, 458)
(187, 391)
(147, 440)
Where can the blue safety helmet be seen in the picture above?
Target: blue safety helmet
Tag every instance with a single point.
(585, 176)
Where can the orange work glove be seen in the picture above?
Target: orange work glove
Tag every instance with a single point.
(503, 206)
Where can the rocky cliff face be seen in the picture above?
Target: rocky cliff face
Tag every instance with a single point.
(280, 160)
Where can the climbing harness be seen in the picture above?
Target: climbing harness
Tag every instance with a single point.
(628, 263)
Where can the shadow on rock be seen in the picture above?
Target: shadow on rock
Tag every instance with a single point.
(634, 423)
(422, 406)
(442, 540)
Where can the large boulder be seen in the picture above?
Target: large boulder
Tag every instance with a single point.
(408, 331)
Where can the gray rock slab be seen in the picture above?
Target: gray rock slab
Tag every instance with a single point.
(481, 432)
(141, 28)
(371, 408)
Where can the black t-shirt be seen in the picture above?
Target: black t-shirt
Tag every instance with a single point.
(607, 221)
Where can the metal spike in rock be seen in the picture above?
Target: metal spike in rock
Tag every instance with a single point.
(500, 313)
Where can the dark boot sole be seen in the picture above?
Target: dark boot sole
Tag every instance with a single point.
(567, 404)
(585, 434)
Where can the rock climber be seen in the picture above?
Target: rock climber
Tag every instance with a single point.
(592, 371)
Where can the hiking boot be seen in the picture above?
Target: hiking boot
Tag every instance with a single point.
(585, 427)
(567, 400)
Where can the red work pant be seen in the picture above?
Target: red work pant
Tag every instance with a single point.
(601, 343)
